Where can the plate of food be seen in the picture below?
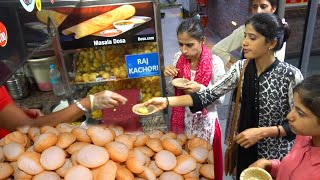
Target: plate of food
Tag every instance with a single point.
(179, 82)
(255, 173)
(109, 33)
(142, 110)
(124, 25)
(121, 26)
(139, 19)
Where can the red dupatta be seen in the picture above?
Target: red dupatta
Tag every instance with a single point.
(203, 76)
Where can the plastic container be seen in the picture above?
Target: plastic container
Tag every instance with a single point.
(55, 80)
(40, 70)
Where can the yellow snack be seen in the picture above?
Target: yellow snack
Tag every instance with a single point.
(157, 94)
(96, 114)
(78, 78)
(106, 75)
(143, 110)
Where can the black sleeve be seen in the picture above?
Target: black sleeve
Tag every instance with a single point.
(290, 135)
(197, 105)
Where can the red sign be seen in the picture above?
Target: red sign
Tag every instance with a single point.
(296, 1)
(3, 35)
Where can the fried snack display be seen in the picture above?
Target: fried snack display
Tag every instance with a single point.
(106, 63)
(100, 152)
(100, 22)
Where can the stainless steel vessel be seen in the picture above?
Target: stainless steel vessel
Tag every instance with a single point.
(18, 86)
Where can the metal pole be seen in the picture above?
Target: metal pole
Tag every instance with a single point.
(308, 35)
(161, 55)
(60, 59)
(281, 8)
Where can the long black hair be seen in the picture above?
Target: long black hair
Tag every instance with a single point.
(271, 27)
(309, 93)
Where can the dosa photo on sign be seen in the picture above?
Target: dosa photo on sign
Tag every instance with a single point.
(105, 25)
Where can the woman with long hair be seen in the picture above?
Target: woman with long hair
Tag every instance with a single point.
(196, 63)
(235, 39)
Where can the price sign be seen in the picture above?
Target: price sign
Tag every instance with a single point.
(295, 1)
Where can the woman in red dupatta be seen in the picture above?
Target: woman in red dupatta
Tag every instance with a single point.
(196, 63)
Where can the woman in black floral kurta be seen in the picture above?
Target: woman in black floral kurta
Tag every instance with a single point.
(266, 95)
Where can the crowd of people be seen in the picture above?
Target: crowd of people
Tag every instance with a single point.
(274, 102)
(278, 125)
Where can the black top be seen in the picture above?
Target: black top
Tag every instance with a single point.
(265, 102)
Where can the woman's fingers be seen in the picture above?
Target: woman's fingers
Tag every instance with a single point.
(171, 71)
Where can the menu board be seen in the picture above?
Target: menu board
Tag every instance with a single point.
(101, 25)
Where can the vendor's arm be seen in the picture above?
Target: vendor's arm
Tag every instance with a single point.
(33, 113)
(11, 116)
(229, 44)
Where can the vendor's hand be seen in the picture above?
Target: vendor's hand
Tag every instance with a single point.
(249, 137)
(170, 71)
(159, 102)
(33, 113)
(107, 99)
(191, 87)
(262, 163)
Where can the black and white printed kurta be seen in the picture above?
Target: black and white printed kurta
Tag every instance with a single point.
(271, 102)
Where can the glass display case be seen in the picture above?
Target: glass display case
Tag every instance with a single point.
(103, 45)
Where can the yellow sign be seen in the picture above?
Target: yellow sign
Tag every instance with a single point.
(38, 4)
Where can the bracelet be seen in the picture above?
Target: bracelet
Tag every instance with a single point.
(167, 102)
(279, 133)
(79, 105)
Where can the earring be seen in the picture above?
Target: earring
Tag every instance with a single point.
(269, 48)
